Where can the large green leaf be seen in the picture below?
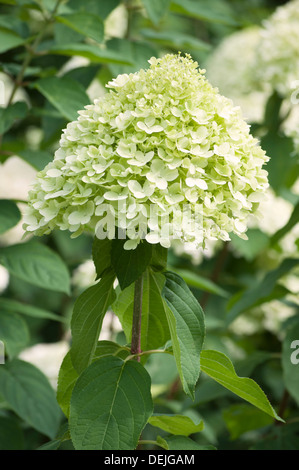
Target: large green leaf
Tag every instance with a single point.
(13, 332)
(9, 39)
(101, 8)
(109, 348)
(199, 282)
(129, 264)
(110, 405)
(241, 418)
(156, 9)
(154, 326)
(92, 52)
(205, 11)
(36, 158)
(187, 329)
(261, 289)
(101, 255)
(256, 244)
(30, 396)
(281, 438)
(281, 164)
(65, 94)
(11, 434)
(36, 264)
(9, 215)
(11, 114)
(66, 381)
(85, 23)
(290, 360)
(176, 40)
(68, 374)
(137, 52)
(219, 367)
(14, 306)
(87, 318)
(179, 425)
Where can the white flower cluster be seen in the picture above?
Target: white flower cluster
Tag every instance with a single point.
(161, 139)
(232, 68)
(278, 51)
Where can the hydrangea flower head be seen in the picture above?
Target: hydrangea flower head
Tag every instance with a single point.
(161, 139)
(278, 50)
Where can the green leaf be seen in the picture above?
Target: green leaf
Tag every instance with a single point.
(9, 115)
(9, 215)
(111, 403)
(136, 52)
(156, 9)
(9, 40)
(68, 375)
(87, 318)
(92, 52)
(13, 332)
(243, 418)
(67, 378)
(219, 367)
(272, 119)
(129, 264)
(65, 94)
(281, 164)
(281, 438)
(202, 10)
(51, 445)
(36, 158)
(162, 369)
(30, 396)
(102, 8)
(256, 244)
(159, 257)
(184, 443)
(176, 40)
(11, 435)
(36, 264)
(87, 24)
(154, 325)
(109, 348)
(199, 282)
(65, 35)
(101, 255)
(84, 75)
(290, 360)
(262, 289)
(187, 329)
(14, 306)
(178, 425)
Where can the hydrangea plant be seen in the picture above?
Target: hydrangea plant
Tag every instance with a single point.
(162, 149)
(161, 138)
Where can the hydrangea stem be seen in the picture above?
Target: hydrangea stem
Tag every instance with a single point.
(137, 311)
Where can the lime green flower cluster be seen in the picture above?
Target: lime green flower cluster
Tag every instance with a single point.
(161, 139)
